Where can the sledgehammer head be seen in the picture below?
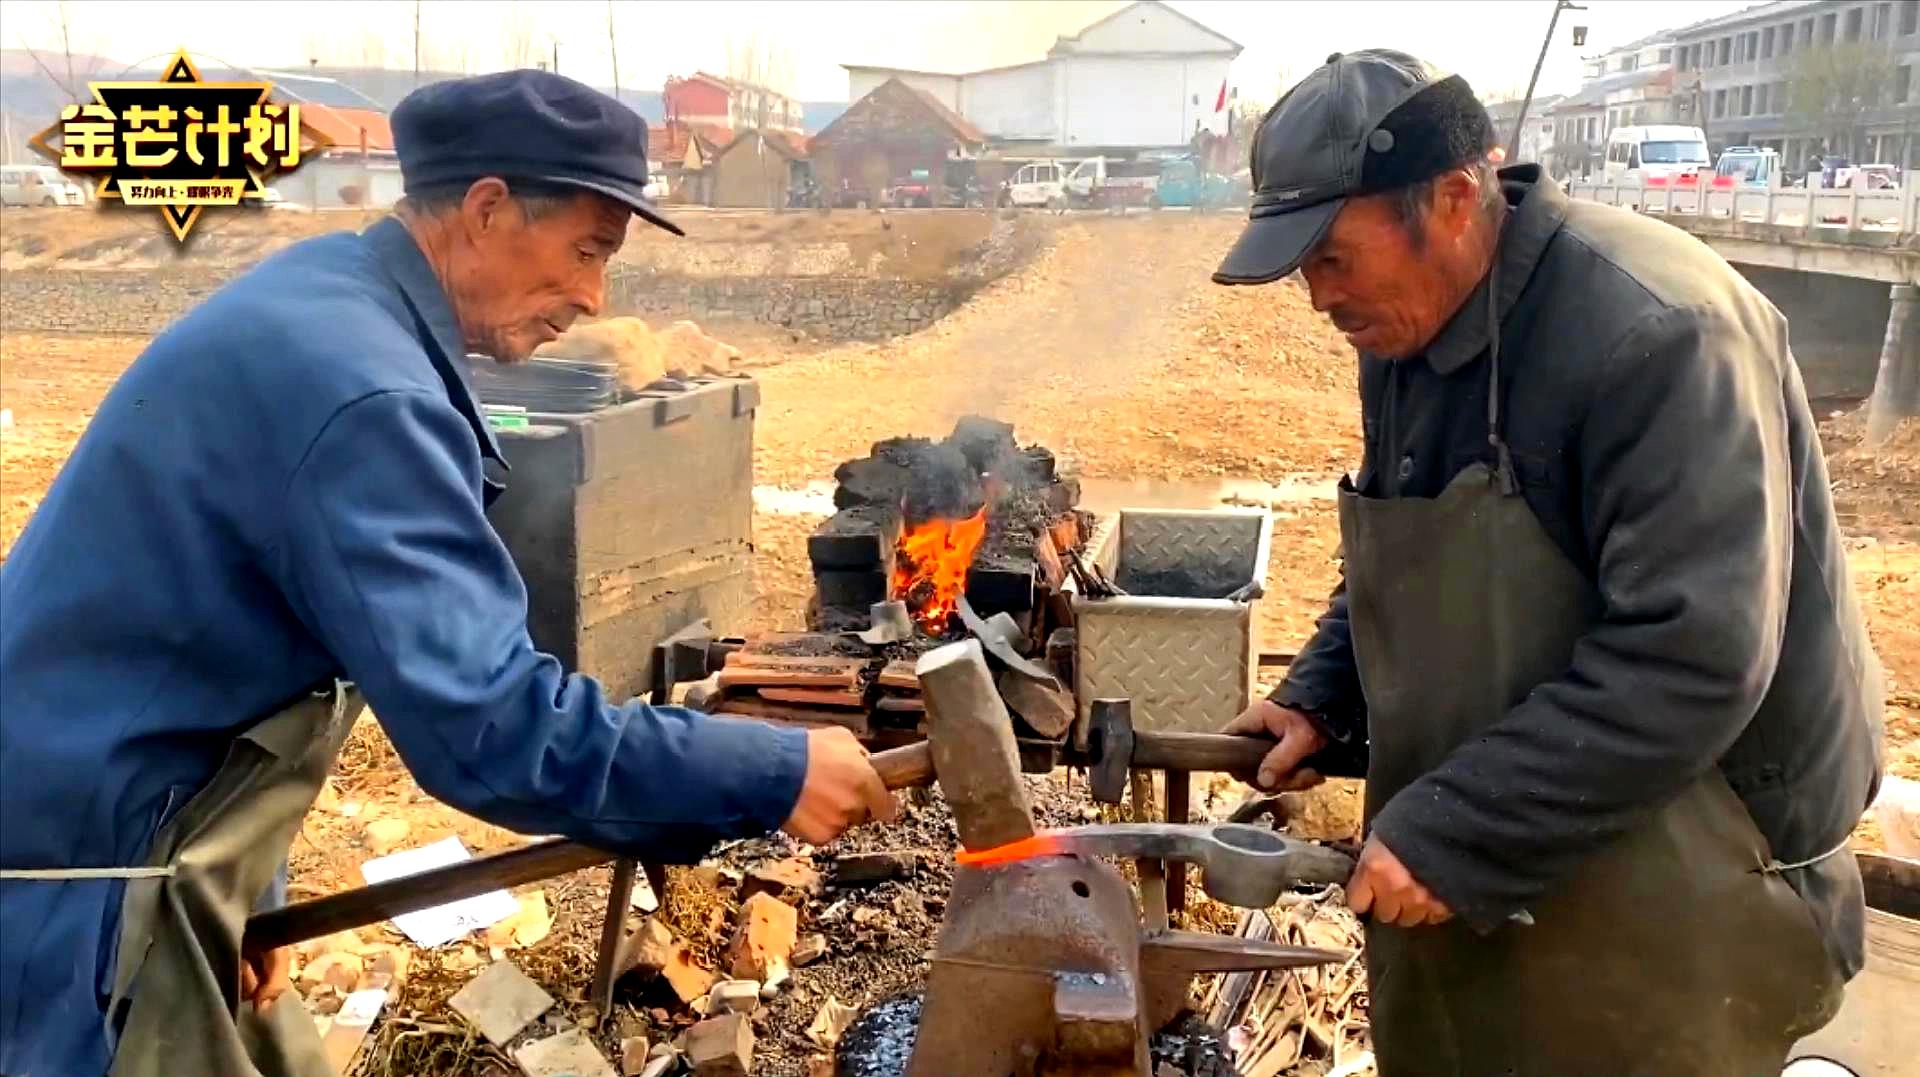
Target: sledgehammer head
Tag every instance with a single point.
(974, 754)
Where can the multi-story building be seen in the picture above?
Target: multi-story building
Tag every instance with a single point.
(1535, 139)
(1738, 75)
(704, 100)
(1626, 86)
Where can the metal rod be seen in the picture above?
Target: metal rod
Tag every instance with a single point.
(383, 901)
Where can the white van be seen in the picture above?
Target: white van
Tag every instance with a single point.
(38, 185)
(1662, 152)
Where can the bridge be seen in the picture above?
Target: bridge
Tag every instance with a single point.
(1842, 265)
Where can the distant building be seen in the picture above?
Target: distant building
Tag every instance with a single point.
(887, 134)
(1740, 69)
(684, 153)
(713, 101)
(1145, 77)
(756, 170)
(1629, 86)
(1537, 136)
(350, 160)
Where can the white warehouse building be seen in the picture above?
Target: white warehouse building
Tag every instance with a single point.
(1145, 77)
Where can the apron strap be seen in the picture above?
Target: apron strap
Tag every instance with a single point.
(1503, 460)
(1775, 867)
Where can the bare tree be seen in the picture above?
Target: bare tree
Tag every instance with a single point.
(371, 50)
(613, 50)
(67, 70)
(315, 48)
(761, 72)
(1837, 88)
(517, 38)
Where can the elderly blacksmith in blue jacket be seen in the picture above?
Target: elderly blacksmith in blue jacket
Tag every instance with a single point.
(280, 507)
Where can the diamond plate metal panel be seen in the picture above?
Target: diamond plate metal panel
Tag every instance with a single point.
(1158, 541)
(1185, 669)
(1186, 664)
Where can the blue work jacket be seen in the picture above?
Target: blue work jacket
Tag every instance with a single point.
(287, 485)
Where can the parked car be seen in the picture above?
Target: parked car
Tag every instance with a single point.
(1746, 166)
(914, 191)
(1038, 183)
(38, 185)
(1877, 177)
(1184, 183)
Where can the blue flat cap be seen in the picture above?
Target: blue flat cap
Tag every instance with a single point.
(526, 125)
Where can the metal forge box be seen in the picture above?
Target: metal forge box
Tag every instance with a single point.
(1180, 642)
(631, 522)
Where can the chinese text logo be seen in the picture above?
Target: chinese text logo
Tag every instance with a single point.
(180, 144)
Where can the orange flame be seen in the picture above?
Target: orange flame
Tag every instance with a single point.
(930, 567)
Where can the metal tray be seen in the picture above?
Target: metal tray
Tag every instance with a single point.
(1187, 663)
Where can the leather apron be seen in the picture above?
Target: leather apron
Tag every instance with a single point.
(1677, 950)
(177, 983)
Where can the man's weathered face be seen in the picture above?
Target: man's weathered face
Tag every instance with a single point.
(525, 279)
(1391, 285)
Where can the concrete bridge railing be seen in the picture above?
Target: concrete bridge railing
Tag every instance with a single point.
(1818, 213)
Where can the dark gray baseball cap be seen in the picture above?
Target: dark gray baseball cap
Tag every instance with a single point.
(1364, 123)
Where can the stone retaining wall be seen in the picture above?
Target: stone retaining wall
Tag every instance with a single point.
(819, 288)
(138, 302)
(829, 308)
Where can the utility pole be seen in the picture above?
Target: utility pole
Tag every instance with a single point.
(613, 50)
(1520, 121)
(556, 56)
(416, 42)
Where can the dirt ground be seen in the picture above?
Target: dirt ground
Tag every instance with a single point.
(1111, 348)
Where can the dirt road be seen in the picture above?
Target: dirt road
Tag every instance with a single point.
(1115, 351)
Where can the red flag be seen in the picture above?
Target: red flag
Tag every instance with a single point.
(1221, 104)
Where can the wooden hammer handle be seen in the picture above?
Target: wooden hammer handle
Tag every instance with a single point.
(904, 768)
(1224, 752)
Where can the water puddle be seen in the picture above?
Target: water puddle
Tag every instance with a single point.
(1112, 495)
(813, 499)
(1104, 495)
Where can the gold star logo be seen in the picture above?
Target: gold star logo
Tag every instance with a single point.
(180, 144)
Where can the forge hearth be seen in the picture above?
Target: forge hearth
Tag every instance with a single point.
(925, 521)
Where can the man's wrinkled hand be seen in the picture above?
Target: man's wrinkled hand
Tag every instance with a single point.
(266, 976)
(1382, 885)
(1298, 738)
(841, 790)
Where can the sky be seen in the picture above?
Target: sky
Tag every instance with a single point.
(1493, 43)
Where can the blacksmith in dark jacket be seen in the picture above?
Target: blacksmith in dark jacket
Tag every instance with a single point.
(1596, 649)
